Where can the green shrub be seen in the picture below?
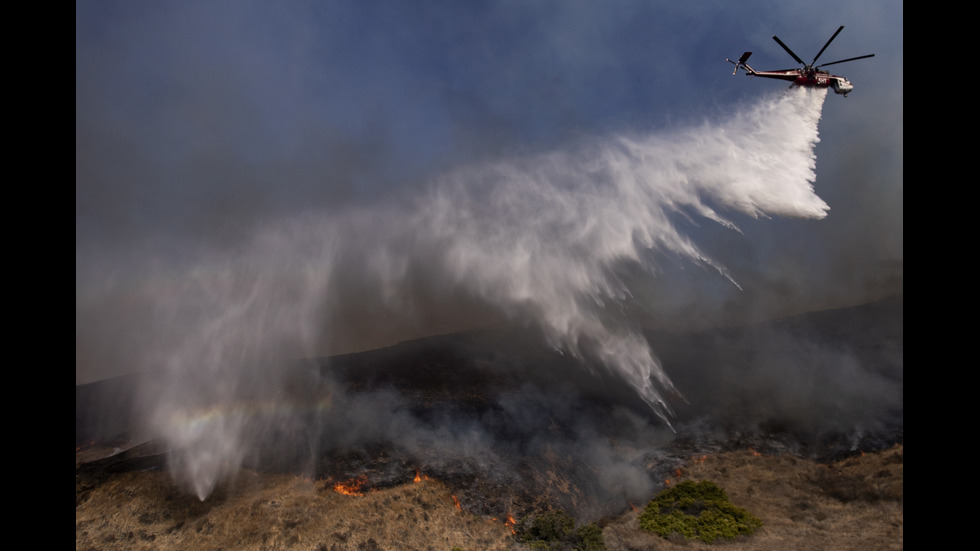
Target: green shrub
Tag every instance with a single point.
(697, 510)
(555, 530)
(550, 526)
(590, 538)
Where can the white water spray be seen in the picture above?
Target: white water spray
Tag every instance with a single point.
(544, 240)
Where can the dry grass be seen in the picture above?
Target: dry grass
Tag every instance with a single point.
(144, 510)
(799, 501)
(853, 504)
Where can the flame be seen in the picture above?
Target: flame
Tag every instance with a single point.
(417, 477)
(457, 503)
(668, 481)
(352, 487)
(509, 522)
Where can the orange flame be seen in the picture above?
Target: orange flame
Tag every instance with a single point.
(417, 477)
(352, 487)
(511, 523)
(457, 503)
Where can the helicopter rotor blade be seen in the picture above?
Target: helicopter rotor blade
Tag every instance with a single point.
(827, 44)
(848, 59)
(790, 52)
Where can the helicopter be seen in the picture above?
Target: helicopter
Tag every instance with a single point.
(810, 75)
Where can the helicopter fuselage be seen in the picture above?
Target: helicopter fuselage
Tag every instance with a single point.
(809, 79)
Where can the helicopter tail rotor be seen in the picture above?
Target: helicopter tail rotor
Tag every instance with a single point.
(741, 63)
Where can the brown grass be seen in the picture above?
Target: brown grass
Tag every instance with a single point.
(854, 504)
(144, 510)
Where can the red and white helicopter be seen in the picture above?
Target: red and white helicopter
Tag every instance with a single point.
(809, 75)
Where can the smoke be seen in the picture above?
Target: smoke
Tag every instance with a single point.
(566, 242)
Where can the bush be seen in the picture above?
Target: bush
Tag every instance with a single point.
(554, 530)
(590, 538)
(550, 526)
(697, 510)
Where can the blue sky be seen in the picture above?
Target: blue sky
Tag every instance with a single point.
(197, 122)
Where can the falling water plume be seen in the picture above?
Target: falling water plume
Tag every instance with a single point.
(545, 240)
